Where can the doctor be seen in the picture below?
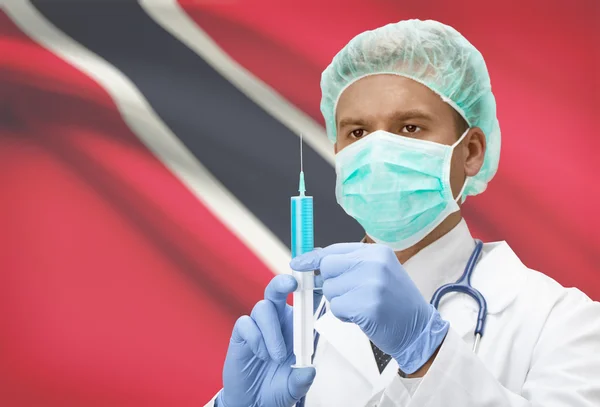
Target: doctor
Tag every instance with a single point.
(411, 114)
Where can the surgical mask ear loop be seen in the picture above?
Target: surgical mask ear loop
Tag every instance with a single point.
(461, 190)
(461, 138)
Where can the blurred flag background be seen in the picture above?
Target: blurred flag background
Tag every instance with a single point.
(148, 151)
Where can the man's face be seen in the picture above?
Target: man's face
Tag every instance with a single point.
(402, 106)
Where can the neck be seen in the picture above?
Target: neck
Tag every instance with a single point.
(446, 226)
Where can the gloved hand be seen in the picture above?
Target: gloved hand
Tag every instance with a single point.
(257, 369)
(365, 284)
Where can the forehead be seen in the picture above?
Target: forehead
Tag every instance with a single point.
(385, 95)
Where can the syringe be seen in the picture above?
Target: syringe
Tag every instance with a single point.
(303, 242)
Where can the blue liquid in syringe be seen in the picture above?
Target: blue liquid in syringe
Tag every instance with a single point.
(302, 222)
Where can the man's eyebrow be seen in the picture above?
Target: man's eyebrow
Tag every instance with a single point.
(351, 121)
(412, 114)
(398, 116)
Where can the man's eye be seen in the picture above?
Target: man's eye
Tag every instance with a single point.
(410, 128)
(358, 133)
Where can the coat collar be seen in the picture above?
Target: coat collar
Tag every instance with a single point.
(497, 276)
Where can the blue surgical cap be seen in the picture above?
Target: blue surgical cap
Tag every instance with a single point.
(433, 54)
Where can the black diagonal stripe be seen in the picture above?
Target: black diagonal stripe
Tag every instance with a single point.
(251, 153)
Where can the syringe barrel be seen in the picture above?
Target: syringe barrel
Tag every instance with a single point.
(303, 242)
(302, 225)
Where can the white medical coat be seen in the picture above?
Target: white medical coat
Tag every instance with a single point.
(541, 345)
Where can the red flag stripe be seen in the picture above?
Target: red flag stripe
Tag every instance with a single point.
(68, 152)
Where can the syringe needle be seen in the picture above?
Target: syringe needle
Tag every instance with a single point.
(301, 186)
(301, 157)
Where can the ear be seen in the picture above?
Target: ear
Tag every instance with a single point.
(474, 146)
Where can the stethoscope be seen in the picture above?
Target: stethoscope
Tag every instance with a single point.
(462, 285)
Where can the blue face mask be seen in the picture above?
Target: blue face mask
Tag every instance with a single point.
(397, 188)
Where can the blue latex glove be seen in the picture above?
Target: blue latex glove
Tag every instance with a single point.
(365, 284)
(257, 368)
